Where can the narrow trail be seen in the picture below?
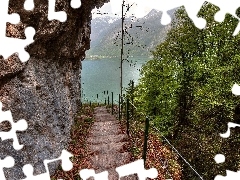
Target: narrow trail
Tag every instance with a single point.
(108, 144)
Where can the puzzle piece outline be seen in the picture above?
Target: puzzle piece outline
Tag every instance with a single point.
(192, 9)
(20, 125)
(7, 162)
(230, 175)
(6, 43)
(87, 173)
(66, 166)
(137, 167)
(218, 16)
(6, 48)
(220, 158)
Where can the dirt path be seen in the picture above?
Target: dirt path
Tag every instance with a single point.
(108, 144)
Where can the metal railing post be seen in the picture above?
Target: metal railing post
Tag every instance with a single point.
(119, 108)
(145, 140)
(112, 103)
(132, 98)
(127, 108)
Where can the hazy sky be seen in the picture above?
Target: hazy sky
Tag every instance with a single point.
(140, 8)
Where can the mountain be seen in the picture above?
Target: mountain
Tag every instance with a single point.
(141, 35)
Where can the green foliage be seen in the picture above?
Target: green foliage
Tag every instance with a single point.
(188, 84)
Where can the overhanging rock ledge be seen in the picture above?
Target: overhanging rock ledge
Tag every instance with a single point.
(45, 91)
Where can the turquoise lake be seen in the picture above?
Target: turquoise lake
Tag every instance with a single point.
(103, 75)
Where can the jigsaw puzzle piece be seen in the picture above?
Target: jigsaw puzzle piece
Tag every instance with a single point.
(87, 173)
(13, 18)
(237, 29)
(66, 166)
(137, 167)
(66, 163)
(21, 125)
(192, 8)
(166, 5)
(28, 171)
(226, 7)
(9, 46)
(233, 29)
(5, 17)
(29, 33)
(8, 162)
(52, 14)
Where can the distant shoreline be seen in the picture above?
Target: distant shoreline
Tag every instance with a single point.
(96, 57)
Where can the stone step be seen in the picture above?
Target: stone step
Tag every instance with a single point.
(109, 146)
(113, 147)
(112, 132)
(105, 123)
(104, 117)
(107, 139)
(100, 110)
(111, 160)
(105, 130)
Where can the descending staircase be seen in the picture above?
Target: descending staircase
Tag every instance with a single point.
(108, 144)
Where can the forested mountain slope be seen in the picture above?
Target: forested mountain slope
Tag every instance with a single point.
(141, 35)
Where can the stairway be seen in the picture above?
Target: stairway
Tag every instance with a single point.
(108, 144)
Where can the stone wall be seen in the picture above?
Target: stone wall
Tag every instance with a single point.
(45, 91)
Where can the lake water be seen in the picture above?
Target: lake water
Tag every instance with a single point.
(103, 75)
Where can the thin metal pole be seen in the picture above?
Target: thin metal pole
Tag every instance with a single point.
(145, 140)
(108, 100)
(112, 103)
(97, 99)
(132, 98)
(122, 43)
(127, 116)
(119, 104)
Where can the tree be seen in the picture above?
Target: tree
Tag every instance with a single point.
(189, 83)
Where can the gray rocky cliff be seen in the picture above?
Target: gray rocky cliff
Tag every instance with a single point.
(45, 91)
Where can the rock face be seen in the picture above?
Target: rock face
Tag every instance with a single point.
(45, 91)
